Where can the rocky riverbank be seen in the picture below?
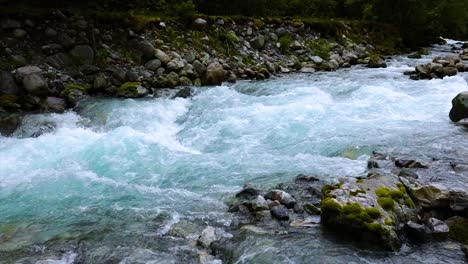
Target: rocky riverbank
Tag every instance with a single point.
(400, 201)
(49, 62)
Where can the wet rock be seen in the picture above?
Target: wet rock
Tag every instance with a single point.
(35, 84)
(408, 173)
(458, 228)
(459, 107)
(185, 92)
(199, 68)
(132, 90)
(8, 84)
(210, 235)
(184, 229)
(248, 191)
(215, 74)
(280, 212)
(172, 79)
(282, 197)
(462, 122)
(376, 62)
(9, 123)
(259, 204)
(153, 65)
(367, 209)
(439, 230)
(54, 104)
(402, 163)
(417, 231)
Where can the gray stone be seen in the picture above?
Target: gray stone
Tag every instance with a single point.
(199, 68)
(281, 196)
(8, 84)
(459, 109)
(132, 90)
(184, 81)
(172, 79)
(20, 73)
(19, 33)
(153, 65)
(258, 42)
(316, 59)
(259, 204)
(280, 212)
(376, 62)
(83, 53)
(162, 56)
(215, 74)
(282, 31)
(184, 229)
(9, 123)
(200, 23)
(146, 50)
(175, 65)
(207, 237)
(100, 82)
(35, 84)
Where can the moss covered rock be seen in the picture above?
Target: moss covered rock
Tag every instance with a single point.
(368, 209)
(458, 229)
(132, 90)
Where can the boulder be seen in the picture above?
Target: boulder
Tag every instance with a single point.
(84, 54)
(172, 79)
(7, 83)
(35, 84)
(215, 74)
(376, 62)
(458, 228)
(199, 68)
(368, 209)
(132, 90)
(459, 109)
(9, 123)
(153, 65)
(146, 50)
(184, 229)
(54, 104)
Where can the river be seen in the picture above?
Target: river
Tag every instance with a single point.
(107, 181)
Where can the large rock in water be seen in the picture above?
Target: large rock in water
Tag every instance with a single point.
(215, 74)
(132, 90)
(368, 209)
(459, 107)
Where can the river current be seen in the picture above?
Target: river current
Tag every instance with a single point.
(106, 181)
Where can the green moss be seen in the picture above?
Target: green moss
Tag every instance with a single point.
(359, 181)
(231, 37)
(330, 208)
(9, 102)
(379, 229)
(459, 229)
(409, 202)
(320, 47)
(130, 87)
(385, 192)
(74, 86)
(285, 43)
(389, 221)
(386, 203)
(373, 212)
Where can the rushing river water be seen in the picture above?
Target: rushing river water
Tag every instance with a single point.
(105, 183)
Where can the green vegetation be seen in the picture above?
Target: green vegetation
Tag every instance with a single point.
(322, 48)
(285, 43)
(355, 193)
(387, 197)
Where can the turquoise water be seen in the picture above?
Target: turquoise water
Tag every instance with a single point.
(114, 175)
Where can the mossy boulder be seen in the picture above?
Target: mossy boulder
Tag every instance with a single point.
(369, 209)
(458, 229)
(132, 90)
(459, 109)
